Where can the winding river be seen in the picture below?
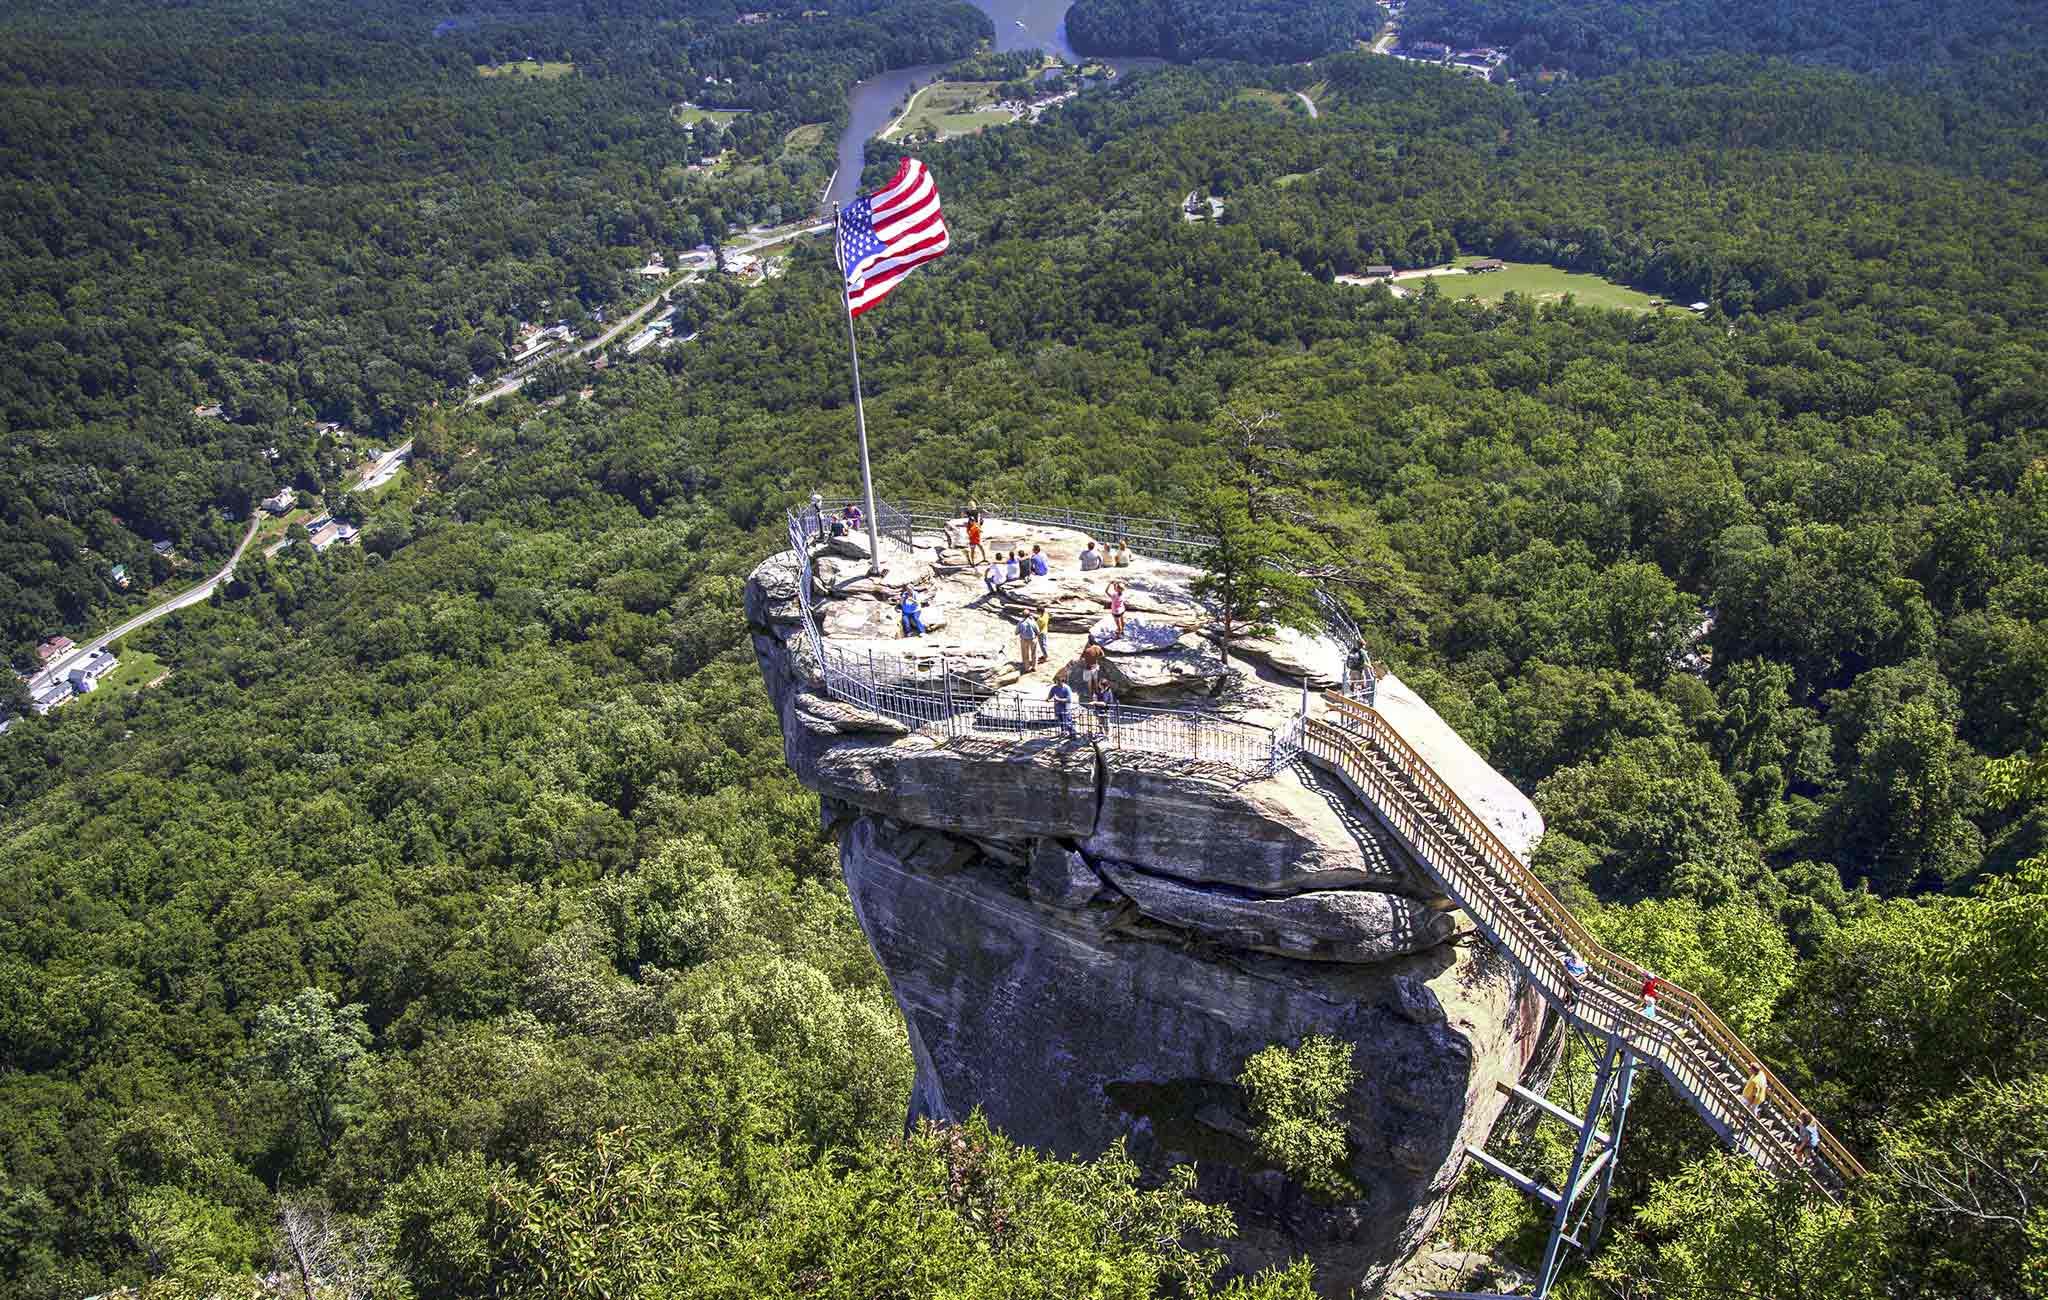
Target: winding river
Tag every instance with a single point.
(871, 104)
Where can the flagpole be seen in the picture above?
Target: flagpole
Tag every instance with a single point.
(860, 419)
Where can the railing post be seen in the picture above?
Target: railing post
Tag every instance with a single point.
(946, 675)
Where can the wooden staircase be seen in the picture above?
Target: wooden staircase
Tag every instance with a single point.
(1701, 1057)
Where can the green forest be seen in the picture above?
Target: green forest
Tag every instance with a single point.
(1963, 38)
(447, 924)
(332, 218)
(1265, 31)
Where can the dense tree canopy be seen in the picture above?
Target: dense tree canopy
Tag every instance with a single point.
(453, 880)
(1590, 37)
(1186, 30)
(332, 216)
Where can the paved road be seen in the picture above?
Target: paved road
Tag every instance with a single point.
(385, 469)
(748, 244)
(190, 596)
(376, 475)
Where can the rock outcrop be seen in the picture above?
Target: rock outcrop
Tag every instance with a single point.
(1087, 941)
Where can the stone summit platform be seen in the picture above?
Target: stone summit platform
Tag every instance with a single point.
(1164, 659)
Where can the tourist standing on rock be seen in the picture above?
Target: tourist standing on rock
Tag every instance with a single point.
(1044, 624)
(974, 539)
(1091, 559)
(1015, 566)
(1062, 704)
(1116, 607)
(1103, 701)
(1039, 568)
(1091, 667)
(1027, 642)
(913, 616)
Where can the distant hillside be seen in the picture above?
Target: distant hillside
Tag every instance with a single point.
(1589, 37)
(1262, 31)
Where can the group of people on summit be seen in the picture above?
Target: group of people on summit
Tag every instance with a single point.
(1033, 627)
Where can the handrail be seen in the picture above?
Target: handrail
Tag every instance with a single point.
(924, 693)
(1536, 938)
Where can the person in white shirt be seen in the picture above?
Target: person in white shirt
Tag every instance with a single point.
(1091, 559)
(1013, 568)
(996, 576)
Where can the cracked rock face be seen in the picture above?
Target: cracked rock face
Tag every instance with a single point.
(1088, 943)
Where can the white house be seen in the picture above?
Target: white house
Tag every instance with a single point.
(87, 674)
(49, 695)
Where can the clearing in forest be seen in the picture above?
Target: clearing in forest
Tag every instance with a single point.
(137, 669)
(1544, 284)
(807, 138)
(688, 114)
(526, 68)
(950, 108)
(1278, 100)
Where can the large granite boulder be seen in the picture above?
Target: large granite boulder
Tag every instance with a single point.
(1294, 656)
(1214, 825)
(1071, 1033)
(1088, 939)
(1186, 665)
(1350, 925)
(1044, 786)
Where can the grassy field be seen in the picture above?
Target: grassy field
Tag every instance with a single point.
(528, 68)
(690, 115)
(807, 138)
(1279, 100)
(1543, 283)
(274, 527)
(137, 669)
(950, 108)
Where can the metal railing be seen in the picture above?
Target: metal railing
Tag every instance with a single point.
(930, 693)
(1168, 539)
(816, 518)
(1701, 1056)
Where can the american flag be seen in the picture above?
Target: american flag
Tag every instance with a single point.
(885, 234)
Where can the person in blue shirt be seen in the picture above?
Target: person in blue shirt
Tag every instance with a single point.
(1062, 698)
(913, 616)
(1039, 568)
(1809, 1137)
(1575, 975)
